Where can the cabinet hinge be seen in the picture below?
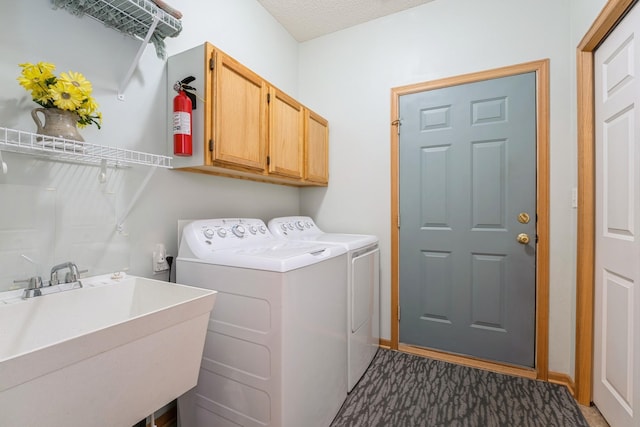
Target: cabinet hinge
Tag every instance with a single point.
(268, 98)
(211, 145)
(212, 63)
(268, 160)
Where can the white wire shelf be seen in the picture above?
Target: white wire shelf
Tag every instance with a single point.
(18, 141)
(134, 17)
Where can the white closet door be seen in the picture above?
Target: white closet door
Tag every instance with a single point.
(616, 383)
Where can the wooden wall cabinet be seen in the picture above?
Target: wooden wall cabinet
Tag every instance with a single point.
(238, 115)
(316, 149)
(286, 135)
(247, 128)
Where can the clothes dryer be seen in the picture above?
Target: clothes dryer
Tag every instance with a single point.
(363, 287)
(276, 345)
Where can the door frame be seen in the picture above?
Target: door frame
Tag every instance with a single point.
(606, 21)
(541, 68)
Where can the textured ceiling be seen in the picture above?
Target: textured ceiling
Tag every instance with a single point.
(308, 19)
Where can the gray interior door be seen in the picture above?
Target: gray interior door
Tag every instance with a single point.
(467, 206)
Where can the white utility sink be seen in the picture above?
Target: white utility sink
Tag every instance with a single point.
(107, 354)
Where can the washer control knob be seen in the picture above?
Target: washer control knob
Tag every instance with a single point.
(299, 225)
(284, 227)
(263, 229)
(307, 224)
(238, 230)
(222, 232)
(208, 233)
(290, 225)
(253, 229)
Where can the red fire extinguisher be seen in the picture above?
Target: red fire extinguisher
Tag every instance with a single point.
(182, 126)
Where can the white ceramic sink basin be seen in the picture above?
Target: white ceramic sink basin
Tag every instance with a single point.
(108, 354)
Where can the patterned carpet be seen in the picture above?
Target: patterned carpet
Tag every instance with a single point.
(403, 390)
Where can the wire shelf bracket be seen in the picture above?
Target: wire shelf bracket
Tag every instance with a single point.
(136, 59)
(134, 200)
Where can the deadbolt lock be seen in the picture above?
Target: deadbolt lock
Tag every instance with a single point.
(523, 218)
(523, 238)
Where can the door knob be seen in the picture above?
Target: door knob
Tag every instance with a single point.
(523, 238)
(523, 218)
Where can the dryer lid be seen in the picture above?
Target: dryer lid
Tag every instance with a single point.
(304, 229)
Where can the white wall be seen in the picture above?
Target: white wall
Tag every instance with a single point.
(583, 13)
(348, 77)
(55, 212)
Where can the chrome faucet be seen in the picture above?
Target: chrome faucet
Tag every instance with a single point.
(72, 276)
(36, 287)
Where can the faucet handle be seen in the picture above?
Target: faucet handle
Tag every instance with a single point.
(73, 275)
(34, 282)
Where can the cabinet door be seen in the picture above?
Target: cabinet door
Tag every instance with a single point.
(239, 112)
(316, 148)
(286, 135)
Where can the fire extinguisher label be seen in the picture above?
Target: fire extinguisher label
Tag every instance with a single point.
(181, 123)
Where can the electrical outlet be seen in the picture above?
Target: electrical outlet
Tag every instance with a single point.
(160, 263)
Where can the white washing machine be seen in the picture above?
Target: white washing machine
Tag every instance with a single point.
(276, 346)
(363, 287)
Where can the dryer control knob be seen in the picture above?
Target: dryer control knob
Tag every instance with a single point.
(208, 233)
(238, 230)
(263, 229)
(284, 227)
(253, 229)
(290, 225)
(222, 232)
(299, 225)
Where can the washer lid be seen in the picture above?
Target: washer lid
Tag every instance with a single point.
(220, 242)
(281, 257)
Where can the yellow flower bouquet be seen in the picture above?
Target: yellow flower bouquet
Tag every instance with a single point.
(70, 91)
